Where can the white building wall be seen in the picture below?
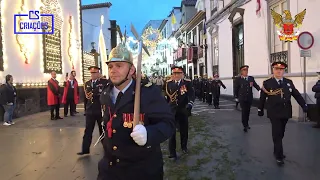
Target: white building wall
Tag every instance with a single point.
(256, 47)
(14, 60)
(91, 27)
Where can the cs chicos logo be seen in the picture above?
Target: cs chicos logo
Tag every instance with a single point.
(33, 23)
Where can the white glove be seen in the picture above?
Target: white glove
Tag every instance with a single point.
(139, 135)
(236, 99)
(9, 104)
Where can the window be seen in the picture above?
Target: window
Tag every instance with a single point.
(276, 44)
(215, 50)
(278, 49)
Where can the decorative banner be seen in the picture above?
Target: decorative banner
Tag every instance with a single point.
(287, 24)
(151, 37)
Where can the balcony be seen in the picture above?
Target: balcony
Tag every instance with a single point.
(192, 54)
(180, 54)
(279, 56)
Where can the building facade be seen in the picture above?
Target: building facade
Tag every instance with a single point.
(30, 58)
(238, 36)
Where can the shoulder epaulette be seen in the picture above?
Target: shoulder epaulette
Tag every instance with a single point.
(187, 80)
(148, 84)
(169, 80)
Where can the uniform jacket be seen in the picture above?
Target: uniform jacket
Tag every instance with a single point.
(93, 107)
(53, 92)
(243, 88)
(196, 84)
(217, 86)
(8, 94)
(316, 89)
(279, 106)
(185, 93)
(75, 92)
(204, 83)
(121, 152)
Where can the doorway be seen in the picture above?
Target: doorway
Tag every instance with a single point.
(238, 47)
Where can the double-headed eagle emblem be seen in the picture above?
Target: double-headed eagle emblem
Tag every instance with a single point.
(287, 24)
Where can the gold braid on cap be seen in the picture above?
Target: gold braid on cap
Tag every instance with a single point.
(278, 91)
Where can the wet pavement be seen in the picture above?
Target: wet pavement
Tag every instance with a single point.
(36, 148)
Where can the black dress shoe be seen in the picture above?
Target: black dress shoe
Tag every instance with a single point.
(185, 151)
(173, 156)
(218, 107)
(59, 117)
(82, 153)
(52, 118)
(283, 156)
(245, 129)
(249, 127)
(280, 162)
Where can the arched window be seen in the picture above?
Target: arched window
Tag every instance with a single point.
(52, 58)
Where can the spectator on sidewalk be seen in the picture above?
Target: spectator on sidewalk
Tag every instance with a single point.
(276, 93)
(316, 89)
(53, 94)
(9, 94)
(70, 96)
(74, 74)
(1, 103)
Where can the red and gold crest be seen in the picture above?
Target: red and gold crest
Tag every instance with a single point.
(287, 24)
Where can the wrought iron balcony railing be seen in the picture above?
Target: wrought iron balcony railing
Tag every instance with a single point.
(279, 56)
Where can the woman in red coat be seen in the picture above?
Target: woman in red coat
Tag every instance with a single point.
(70, 95)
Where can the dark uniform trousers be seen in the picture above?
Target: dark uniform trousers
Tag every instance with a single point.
(279, 108)
(243, 91)
(216, 99)
(209, 99)
(245, 113)
(93, 112)
(181, 120)
(204, 90)
(70, 102)
(123, 158)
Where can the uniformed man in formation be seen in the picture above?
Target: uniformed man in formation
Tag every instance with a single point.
(204, 82)
(197, 86)
(132, 152)
(92, 89)
(276, 92)
(181, 98)
(243, 94)
(217, 84)
(209, 91)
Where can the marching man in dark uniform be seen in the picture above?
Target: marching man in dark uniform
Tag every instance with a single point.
(277, 92)
(92, 89)
(196, 86)
(204, 83)
(243, 94)
(209, 91)
(132, 152)
(181, 99)
(217, 83)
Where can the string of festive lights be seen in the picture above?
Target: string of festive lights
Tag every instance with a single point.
(24, 41)
(71, 50)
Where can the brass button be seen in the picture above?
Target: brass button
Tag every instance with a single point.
(110, 163)
(118, 160)
(114, 115)
(114, 131)
(115, 148)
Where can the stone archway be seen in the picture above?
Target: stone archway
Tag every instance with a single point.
(52, 58)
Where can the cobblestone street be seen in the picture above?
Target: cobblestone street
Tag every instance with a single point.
(37, 148)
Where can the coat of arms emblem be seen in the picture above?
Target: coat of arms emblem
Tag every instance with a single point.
(287, 24)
